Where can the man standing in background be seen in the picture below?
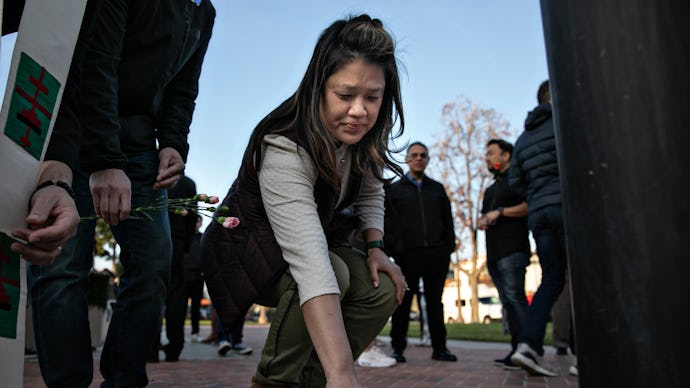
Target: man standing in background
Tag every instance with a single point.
(420, 236)
(182, 229)
(504, 221)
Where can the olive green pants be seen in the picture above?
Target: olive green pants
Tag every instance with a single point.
(288, 357)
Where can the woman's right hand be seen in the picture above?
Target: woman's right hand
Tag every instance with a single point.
(378, 261)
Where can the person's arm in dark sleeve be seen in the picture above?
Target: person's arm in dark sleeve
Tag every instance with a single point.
(448, 222)
(98, 96)
(65, 139)
(175, 113)
(516, 179)
(11, 15)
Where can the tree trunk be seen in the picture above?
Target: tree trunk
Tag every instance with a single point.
(456, 271)
(474, 300)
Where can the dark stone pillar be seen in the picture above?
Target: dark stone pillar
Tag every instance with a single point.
(620, 80)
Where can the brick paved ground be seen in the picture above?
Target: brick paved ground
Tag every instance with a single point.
(200, 366)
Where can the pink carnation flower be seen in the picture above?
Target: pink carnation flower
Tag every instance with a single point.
(231, 222)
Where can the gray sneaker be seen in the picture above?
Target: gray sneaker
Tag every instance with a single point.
(241, 348)
(223, 347)
(529, 360)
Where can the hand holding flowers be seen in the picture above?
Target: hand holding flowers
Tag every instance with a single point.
(201, 204)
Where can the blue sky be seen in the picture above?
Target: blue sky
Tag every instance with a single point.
(489, 51)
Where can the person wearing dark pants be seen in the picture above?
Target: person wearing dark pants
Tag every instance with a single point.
(194, 279)
(420, 236)
(182, 229)
(131, 127)
(231, 339)
(534, 174)
(504, 221)
(560, 320)
(432, 268)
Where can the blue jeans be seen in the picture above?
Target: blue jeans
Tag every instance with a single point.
(508, 275)
(59, 291)
(233, 335)
(548, 231)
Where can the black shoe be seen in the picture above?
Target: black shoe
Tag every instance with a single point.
(170, 355)
(510, 365)
(398, 356)
(561, 351)
(443, 355)
(502, 361)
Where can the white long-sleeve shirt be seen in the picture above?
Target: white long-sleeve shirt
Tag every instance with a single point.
(287, 178)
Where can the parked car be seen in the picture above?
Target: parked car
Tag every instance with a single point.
(490, 309)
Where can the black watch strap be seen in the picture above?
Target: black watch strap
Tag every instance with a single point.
(58, 183)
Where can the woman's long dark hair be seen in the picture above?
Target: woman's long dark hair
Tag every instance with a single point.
(344, 41)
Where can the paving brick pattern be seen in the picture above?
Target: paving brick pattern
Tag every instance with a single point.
(201, 366)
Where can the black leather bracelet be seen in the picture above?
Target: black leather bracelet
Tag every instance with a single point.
(58, 183)
(375, 244)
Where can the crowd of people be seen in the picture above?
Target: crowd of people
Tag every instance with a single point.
(311, 195)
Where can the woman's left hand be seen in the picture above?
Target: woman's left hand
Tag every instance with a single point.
(378, 261)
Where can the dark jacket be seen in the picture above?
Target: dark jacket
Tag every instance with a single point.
(134, 83)
(240, 263)
(192, 259)
(509, 234)
(182, 227)
(418, 217)
(534, 164)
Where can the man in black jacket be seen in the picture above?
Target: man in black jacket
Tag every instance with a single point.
(504, 221)
(534, 174)
(132, 97)
(420, 236)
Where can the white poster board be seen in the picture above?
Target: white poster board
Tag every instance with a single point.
(40, 64)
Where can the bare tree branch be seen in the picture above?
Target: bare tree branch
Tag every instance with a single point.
(462, 168)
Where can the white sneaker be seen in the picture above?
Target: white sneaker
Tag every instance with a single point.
(573, 370)
(223, 347)
(529, 360)
(195, 338)
(374, 358)
(242, 349)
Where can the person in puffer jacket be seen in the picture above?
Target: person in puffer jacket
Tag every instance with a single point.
(534, 174)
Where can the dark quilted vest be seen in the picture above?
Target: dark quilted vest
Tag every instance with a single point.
(240, 263)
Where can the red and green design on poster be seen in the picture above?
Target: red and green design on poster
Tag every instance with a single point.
(31, 106)
(9, 288)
